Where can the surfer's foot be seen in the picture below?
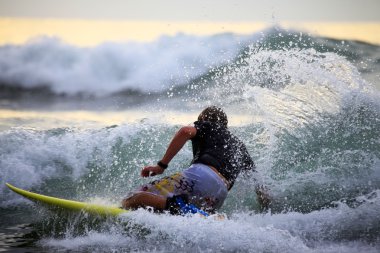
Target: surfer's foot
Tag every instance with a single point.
(263, 197)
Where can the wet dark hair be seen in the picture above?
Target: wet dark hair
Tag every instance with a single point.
(213, 114)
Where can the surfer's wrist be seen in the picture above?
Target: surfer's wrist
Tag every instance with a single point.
(162, 165)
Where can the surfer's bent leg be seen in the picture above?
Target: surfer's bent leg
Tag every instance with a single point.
(154, 194)
(144, 199)
(197, 185)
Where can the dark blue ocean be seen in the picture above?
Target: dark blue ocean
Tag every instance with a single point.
(80, 123)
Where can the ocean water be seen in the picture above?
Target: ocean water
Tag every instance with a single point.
(80, 123)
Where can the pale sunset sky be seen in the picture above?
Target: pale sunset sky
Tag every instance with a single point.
(90, 22)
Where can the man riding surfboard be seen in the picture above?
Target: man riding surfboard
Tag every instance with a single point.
(218, 158)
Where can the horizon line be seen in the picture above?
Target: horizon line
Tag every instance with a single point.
(84, 32)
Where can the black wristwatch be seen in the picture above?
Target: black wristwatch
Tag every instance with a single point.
(162, 165)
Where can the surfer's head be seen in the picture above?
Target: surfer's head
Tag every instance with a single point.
(213, 114)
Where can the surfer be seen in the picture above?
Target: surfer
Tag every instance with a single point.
(218, 158)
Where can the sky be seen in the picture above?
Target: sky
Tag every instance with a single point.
(196, 10)
(90, 22)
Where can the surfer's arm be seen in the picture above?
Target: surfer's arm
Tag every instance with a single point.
(178, 141)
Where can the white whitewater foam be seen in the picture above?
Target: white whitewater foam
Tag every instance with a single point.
(319, 231)
(112, 67)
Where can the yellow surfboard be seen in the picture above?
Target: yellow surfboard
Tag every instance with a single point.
(96, 209)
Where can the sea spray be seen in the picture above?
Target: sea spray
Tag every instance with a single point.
(111, 67)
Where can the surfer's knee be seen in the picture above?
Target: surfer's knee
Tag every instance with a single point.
(144, 199)
(125, 204)
(131, 202)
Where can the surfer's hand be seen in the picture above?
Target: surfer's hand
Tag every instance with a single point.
(150, 171)
(263, 197)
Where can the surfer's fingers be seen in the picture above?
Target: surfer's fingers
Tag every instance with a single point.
(145, 172)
